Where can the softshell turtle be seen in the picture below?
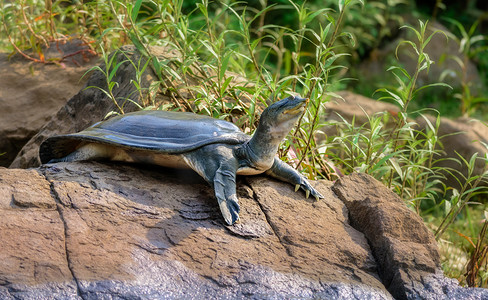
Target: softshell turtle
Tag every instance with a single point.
(215, 149)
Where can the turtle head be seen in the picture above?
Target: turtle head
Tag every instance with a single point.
(279, 118)
(275, 123)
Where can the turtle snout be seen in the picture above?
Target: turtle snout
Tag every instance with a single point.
(300, 99)
(299, 106)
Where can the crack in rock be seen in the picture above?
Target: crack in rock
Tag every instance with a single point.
(65, 228)
(268, 221)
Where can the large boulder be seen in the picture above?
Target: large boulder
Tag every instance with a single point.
(354, 106)
(406, 249)
(92, 230)
(30, 92)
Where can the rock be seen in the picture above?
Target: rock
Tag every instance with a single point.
(89, 105)
(405, 250)
(405, 256)
(159, 233)
(30, 92)
(91, 230)
(33, 239)
(352, 107)
(358, 106)
(464, 136)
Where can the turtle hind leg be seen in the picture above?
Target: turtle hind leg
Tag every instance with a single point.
(90, 151)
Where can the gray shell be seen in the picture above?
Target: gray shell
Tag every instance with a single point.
(156, 131)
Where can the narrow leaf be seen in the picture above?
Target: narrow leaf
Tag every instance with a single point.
(135, 9)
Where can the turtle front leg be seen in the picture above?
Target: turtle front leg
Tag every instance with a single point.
(280, 170)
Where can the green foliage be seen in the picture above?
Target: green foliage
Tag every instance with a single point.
(470, 45)
(471, 184)
(397, 152)
(401, 155)
(112, 64)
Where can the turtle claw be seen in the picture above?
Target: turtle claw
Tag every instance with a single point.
(309, 190)
(230, 210)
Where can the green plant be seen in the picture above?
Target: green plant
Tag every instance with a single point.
(384, 17)
(471, 185)
(207, 57)
(30, 27)
(478, 258)
(111, 64)
(399, 154)
(414, 174)
(470, 45)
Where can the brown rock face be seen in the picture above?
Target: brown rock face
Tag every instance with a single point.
(91, 230)
(404, 248)
(32, 235)
(357, 106)
(307, 228)
(30, 93)
(118, 223)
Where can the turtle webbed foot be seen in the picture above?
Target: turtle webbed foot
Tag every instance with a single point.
(284, 172)
(230, 210)
(309, 190)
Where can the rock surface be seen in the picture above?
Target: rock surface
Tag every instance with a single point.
(30, 92)
(92, 230)
(407, 256)
(357, 106)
